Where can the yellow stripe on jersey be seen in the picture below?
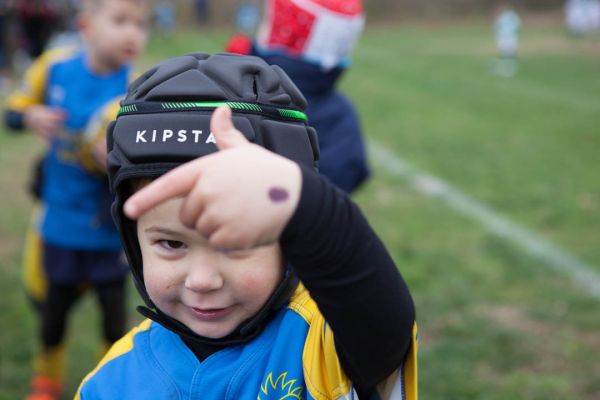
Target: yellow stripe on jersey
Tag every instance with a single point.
(323, 373)
(303, 304)
(34, 276)
(33, 87)
(410, 367)
(121, 346)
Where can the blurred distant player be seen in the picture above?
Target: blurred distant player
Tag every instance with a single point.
(582, 16)
(576, 16)
(164, 17)
(594, 9)
(77, 240)
(507, 28)
(311, 40)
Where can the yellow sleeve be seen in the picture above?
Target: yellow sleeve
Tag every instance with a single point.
(32, 88)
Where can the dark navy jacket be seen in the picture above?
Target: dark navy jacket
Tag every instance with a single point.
(343, 159)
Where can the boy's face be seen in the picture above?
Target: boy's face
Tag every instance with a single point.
(115, 31)
(209, 291)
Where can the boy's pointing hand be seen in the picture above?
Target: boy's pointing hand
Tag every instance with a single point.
(238, 198)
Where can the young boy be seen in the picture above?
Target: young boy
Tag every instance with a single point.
(312, 41)
(218, 248)
(79, 242)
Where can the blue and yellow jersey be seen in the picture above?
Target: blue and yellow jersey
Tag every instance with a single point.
(75, 203)
(293, 358)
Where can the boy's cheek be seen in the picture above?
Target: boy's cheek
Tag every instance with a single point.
(156, 283)
(261, 283)
(159, 291)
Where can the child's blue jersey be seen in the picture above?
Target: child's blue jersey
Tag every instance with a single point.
(76, 203)
(293, 358)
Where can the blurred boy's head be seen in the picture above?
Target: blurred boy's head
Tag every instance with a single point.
(322, 32)
(115, 31)
(164, 122)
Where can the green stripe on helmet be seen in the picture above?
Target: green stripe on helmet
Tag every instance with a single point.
(234, 105)
(292, 114)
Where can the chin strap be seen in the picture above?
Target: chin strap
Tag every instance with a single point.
(246, 331)
(185, 332)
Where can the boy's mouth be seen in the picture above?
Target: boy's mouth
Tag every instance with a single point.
(130, 52)
(210, 314)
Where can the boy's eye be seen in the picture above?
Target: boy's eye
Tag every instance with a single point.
(172, 244)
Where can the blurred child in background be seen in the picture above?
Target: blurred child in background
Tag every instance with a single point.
(311, 41)
(507, 27)
(78, 242)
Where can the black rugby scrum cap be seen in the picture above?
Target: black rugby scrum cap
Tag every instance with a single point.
(164, 121)
(165, 118)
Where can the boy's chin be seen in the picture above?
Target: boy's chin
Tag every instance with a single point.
(212, 330)
(123, 60)
(119, 60)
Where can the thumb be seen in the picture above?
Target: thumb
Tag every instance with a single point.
(222, 128)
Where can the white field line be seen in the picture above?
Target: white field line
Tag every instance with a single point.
(583, 275)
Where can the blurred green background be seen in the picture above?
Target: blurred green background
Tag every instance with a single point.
(494, 322)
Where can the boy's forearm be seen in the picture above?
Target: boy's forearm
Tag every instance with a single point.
(353, 279)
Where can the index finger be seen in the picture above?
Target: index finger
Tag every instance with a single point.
(175, 183)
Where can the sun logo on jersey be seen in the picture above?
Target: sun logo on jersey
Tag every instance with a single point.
(280, 388)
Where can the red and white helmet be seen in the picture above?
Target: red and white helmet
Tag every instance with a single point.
(320, 31)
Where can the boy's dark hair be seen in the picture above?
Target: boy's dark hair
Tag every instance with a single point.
(165, 121)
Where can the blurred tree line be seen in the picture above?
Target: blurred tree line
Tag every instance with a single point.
(454, 8)
(222, 11)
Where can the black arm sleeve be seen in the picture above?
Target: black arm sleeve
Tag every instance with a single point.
(353, 280)
(14, 120)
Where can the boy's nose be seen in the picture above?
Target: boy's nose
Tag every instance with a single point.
(202, 278)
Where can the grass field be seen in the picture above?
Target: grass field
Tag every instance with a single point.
(495, 323)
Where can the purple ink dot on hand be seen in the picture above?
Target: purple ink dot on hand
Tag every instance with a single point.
(278, 195)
